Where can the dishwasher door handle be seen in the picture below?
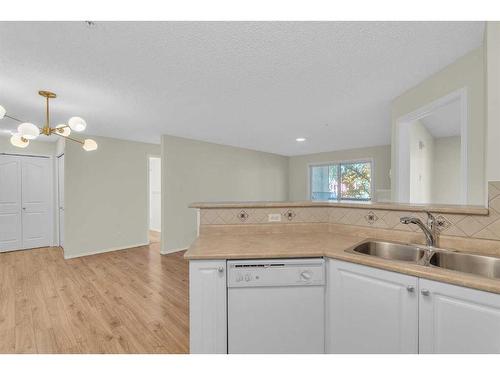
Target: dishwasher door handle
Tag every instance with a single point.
(306, 275)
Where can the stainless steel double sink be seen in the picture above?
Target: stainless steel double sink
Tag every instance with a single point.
(481, 265)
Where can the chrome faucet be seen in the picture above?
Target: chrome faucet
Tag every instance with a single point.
(429, 229)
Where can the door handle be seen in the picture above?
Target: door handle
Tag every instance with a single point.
(425, 292)
(410, 288)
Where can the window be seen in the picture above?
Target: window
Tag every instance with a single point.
(341, 181)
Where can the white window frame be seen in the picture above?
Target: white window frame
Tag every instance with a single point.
(338, 162)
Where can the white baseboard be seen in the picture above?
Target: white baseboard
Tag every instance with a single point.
(94, 252)
(170, 251)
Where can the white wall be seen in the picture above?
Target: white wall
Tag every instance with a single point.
(298, 167)
(446, 170)
(421, 149)
(155, 194)
(434, 172)
(106, 196)
(467, 71)
(492, 42)
(201, 171)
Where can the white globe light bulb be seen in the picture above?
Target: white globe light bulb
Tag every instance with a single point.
(89, 145)
(2, 112)
(77, 124)
(28, 130)
(63, 129)
(19, 141)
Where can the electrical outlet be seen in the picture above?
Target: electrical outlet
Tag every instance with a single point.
(274, 217)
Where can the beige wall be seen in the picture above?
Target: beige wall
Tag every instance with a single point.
(299, 167)
(468, 72)
(200, 171)
(446, 170)
(492, 42)
(420, 163)
(106, 196)
(34, 148)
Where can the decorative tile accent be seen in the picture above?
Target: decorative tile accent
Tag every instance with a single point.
(243, 215)
(442, 223)
(289, 214)
(230, 216)
(371, 217)
(473, 226)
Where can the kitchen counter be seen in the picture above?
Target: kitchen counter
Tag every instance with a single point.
(331, 245)
(392, 206)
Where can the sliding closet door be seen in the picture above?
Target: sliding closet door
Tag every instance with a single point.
(10, 203)
(36, 199)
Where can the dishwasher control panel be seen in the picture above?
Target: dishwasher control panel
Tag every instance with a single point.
(275, 272)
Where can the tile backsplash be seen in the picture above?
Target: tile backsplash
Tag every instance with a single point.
(473, 226)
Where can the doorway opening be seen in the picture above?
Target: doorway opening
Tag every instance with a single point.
(154, 197)
(431, 148)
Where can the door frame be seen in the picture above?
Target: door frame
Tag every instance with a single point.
(57, 217)
(148, 157)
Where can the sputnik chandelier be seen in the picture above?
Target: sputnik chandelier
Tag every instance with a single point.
(27, 131)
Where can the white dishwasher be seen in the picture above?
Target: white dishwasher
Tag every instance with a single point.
(276, 306)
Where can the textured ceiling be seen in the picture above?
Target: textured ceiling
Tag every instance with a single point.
(257, 85)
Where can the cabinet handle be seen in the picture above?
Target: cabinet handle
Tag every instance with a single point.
(220, 269)
(24, 208)
(410, 288)
(425, 292)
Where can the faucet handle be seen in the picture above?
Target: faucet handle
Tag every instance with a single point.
(431, 220)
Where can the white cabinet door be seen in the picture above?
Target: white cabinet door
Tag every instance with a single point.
(455, 319)
(36, 202)
(10, 203)
(370, 310)
(207, 306)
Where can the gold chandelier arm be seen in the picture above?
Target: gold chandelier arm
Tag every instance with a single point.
(71, 139)
(13, 118)
(47, 123)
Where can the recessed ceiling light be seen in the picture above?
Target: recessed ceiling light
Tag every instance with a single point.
(300, 139)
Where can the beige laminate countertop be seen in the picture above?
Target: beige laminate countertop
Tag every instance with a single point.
(331, 245)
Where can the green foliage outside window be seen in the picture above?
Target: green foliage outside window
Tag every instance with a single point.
(356, 180)
(347, 181)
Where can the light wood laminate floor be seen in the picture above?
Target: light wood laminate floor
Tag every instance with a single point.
(154, 236)
(129, 301)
